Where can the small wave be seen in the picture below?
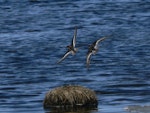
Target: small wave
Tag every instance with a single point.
(138, 108)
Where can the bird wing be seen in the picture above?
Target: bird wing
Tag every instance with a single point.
(97, 42)
(74, 38)
(88, 59)
(66, 54)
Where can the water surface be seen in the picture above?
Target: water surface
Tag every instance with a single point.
(33, 37)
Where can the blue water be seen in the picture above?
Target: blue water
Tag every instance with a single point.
(33, 37)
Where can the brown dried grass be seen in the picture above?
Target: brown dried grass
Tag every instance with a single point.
(70, 96)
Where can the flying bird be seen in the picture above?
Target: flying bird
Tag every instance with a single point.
(71, 48)
(93, 49)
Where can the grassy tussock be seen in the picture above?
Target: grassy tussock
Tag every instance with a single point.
(70, 96)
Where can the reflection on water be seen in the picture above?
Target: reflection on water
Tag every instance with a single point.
(72, 110)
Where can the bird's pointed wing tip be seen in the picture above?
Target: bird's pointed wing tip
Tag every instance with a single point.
(88, 59)
(58, 62)
(65, 55)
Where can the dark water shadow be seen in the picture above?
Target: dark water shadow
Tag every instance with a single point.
(71, 110)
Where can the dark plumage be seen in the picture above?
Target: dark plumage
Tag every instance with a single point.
(71, 48)
(93, 48)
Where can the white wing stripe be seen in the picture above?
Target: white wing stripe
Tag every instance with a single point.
(64, 56)
(88, 59)
(97, 42)
(74, 37)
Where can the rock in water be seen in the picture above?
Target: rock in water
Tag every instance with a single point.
(70, 96)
